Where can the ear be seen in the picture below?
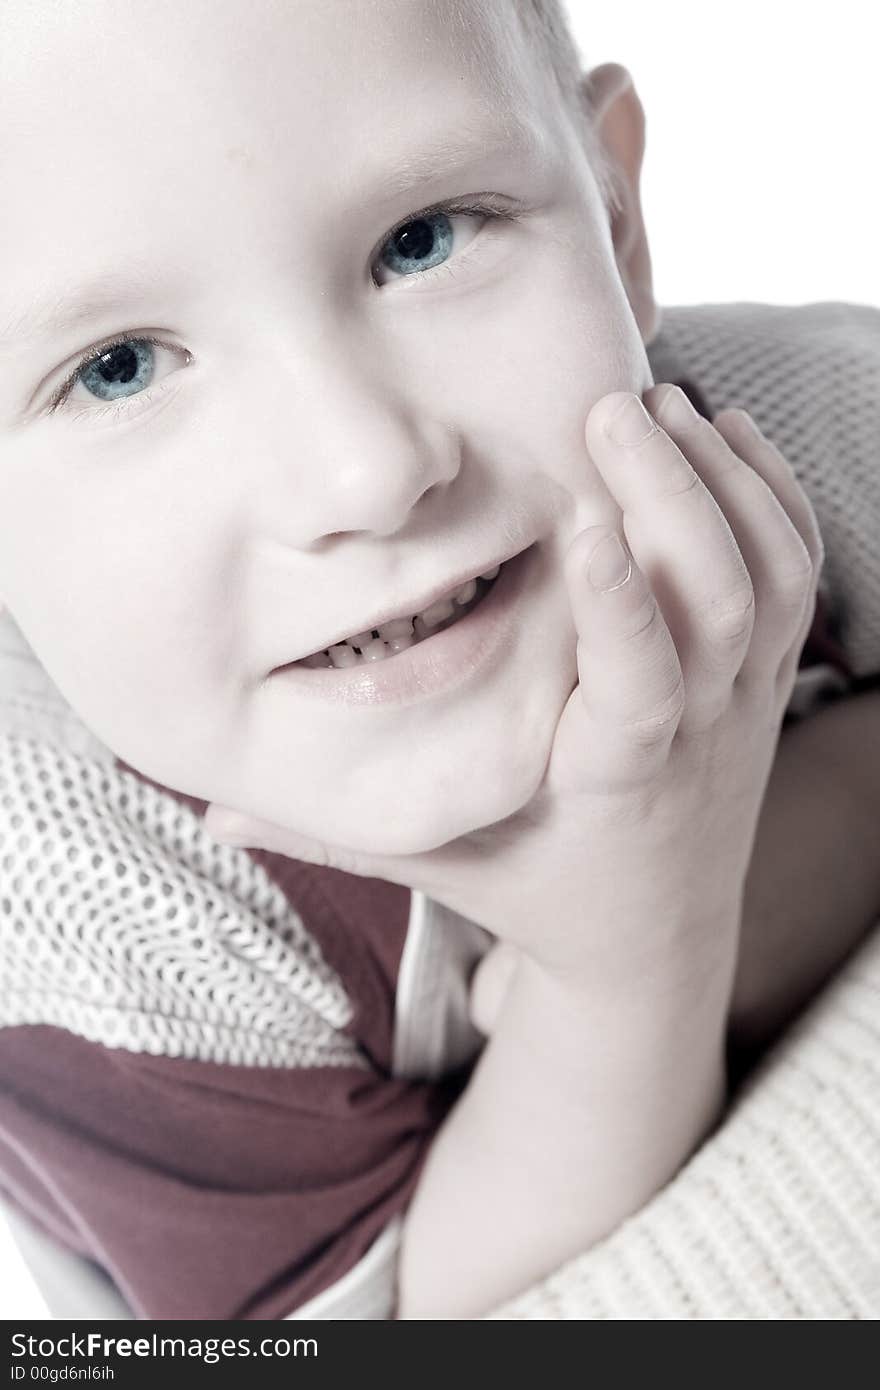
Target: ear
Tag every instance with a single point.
(619, 119)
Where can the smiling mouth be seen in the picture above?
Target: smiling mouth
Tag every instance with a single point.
(399, 634)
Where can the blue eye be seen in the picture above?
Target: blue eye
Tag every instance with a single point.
(419, 244)
(121, 370)
(118, 373)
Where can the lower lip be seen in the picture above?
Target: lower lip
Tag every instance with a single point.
(467, 650)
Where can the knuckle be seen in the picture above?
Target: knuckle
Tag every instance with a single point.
(647, 730)
(647, 617)
(682, 479)
(794, 581)
(730, 620)
(792, 608)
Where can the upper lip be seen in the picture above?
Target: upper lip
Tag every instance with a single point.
(417, 605)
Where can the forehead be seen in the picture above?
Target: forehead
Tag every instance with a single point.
(147, 128)
(98, 87)
(222, 35)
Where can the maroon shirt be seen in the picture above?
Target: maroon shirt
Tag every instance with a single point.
(219, 1191)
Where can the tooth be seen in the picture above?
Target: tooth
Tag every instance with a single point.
(490, 574)
(375, 650)
(317, 660)
(466, 592)
(400, 644)
(361, 640)
(342, 655)
(397, 627)
(436, 612)
(421, 629)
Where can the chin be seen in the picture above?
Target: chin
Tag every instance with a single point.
(424, 818)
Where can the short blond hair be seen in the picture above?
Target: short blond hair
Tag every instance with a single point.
(546, 28)
(541, 28)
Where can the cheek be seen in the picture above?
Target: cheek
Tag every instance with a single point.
(114, 599)
(521, 375)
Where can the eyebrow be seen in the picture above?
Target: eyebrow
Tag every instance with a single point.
(61, 312)
(467, 143)
(117, 289)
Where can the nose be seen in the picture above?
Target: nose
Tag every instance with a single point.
(350, 453)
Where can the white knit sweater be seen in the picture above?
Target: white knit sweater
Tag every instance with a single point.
(778, 1215)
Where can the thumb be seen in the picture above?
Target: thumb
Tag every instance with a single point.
(230, 827)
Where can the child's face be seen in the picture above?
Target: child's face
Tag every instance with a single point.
(327, 437)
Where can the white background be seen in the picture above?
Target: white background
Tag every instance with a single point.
(761, 167)
(759, 182)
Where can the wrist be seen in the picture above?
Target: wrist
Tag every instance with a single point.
(584, 1102)
(666, 960)
(612, 1038)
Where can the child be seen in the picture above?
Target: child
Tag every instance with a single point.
(313, 357)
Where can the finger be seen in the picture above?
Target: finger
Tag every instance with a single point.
(630, 691)
(427, 872)
(684, 544)
(231, 827)
(758, 508)
(749, 441)
(489, 985)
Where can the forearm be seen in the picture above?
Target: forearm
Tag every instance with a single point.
(813, 884)
(570, 1123)
(584, 1103)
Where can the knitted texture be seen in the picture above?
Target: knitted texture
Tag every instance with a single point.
(810, 378)
(122, 921)
(778, 1214)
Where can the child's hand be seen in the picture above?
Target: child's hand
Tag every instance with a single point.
(639, 837)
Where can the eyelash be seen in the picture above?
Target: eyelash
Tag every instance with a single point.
(497, 211)
(489, 210)
(124, 403)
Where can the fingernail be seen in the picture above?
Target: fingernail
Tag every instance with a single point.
(674, 404)
(610, 565)
(631, 423)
